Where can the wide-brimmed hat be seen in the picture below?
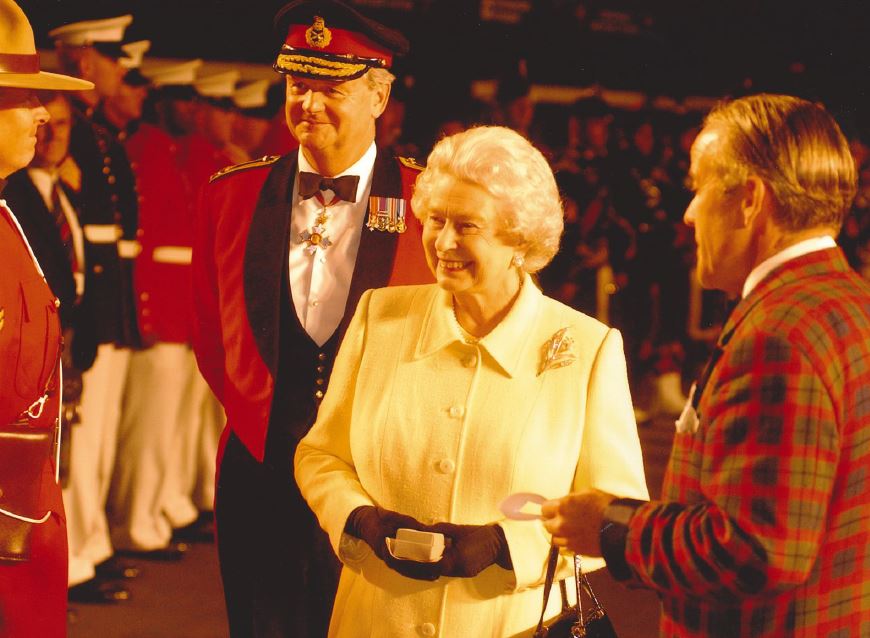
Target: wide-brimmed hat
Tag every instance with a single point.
(19, 61)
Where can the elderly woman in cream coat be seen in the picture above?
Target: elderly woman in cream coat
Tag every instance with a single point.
(447, 398)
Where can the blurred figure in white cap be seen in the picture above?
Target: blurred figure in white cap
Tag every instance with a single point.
(107, 197)
(278, 139)
(188, 497)
(33, 558)
(216, 113)
(139, 517)
(252, 116)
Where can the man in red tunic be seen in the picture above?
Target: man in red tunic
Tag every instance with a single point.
(32, 527)
(283, 250)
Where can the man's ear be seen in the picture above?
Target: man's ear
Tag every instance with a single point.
(754, 200)
(380, 97)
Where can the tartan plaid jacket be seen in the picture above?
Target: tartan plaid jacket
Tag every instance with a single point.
(764, 527)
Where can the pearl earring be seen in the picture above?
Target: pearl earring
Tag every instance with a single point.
(518, 261)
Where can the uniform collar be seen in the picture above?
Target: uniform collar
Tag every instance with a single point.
(506, 344)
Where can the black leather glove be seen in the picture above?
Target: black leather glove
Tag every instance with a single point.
(375, 524)
(469, 549)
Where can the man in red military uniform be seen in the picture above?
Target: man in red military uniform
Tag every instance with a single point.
(32, 524)
(108, 207)
(148, 430)
(283, 250)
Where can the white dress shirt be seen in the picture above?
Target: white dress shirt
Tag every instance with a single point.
(320, 282)
(792, 252)
(44, 180)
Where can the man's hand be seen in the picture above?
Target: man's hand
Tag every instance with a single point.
(575, 520)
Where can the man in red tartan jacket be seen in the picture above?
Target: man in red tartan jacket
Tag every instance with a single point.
(764, 524)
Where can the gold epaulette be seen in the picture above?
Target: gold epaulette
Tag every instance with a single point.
(260, 161)
(410, 162)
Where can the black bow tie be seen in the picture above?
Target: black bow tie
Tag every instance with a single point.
(344, 187)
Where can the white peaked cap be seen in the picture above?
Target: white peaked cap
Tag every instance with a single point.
(251, 95)
(217, 85)
(133, 53)
(90, 31)
(183, 74)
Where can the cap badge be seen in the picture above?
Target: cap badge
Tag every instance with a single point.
(317, 35)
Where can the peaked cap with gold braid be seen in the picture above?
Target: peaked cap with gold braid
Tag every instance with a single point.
(328, 40)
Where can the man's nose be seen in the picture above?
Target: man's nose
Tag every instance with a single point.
(311, 101)
(689, 217)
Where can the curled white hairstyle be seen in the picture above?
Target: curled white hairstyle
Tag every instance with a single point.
(510, 169)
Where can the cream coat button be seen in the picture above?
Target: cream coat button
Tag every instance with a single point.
(470, 361)
(427, 629)
(455, 411)
(446, 466)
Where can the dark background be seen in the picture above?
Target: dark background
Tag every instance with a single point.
(660, 47)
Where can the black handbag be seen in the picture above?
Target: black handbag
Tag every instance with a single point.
(572, 622)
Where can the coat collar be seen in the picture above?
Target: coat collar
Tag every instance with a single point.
(507, 344)
(808, 265)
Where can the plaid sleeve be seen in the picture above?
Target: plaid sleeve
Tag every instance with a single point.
(752, 486)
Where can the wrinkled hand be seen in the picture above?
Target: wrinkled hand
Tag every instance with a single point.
(375, 524)
(575, 520)
(469, 549)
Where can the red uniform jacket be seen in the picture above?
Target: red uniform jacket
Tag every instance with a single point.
(162, 273)
(33, 593)
(238, 268)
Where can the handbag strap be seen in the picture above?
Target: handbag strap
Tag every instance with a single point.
(552, 561)
(597, 610)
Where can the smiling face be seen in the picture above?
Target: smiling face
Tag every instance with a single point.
(21, 115)
(334, 120)
(465, 245)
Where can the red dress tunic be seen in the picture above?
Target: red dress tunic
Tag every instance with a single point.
(33, 593)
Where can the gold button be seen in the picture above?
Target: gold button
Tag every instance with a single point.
(321, 368)
(319, 382)
(111, 179)
(144, 296)
(106, 170)
(321, 357)
(318, 394)
(98, 269)
(56, 302)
